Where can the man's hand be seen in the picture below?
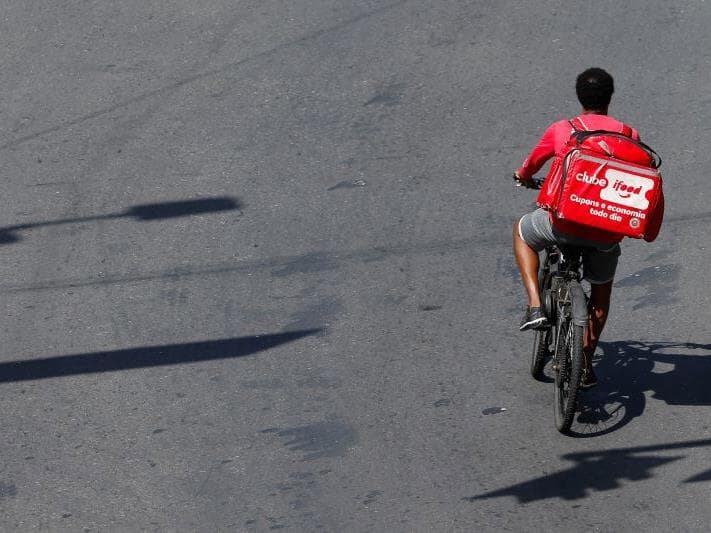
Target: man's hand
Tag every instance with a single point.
(521, 182)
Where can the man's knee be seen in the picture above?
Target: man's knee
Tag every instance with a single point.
(601, 292)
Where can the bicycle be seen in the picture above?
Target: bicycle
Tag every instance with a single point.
(566, 305)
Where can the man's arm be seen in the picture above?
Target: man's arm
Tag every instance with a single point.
(542, 152)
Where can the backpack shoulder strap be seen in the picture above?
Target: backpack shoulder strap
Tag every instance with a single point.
(578, 125)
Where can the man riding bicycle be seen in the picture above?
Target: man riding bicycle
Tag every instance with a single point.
(539, 229)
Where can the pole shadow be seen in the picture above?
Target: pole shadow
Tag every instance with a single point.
(143, 213)
(145, 357)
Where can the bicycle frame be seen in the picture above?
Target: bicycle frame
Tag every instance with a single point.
(565, 288)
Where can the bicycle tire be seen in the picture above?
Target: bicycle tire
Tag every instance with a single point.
(541, 341)
(569, 358)
(542, 338)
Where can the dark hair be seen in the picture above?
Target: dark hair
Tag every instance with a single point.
(594, 88)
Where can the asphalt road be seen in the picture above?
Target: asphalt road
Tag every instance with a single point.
(256, 268)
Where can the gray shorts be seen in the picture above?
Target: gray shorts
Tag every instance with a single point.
(599, 260)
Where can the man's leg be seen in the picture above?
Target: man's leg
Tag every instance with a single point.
(598, 309)
(599, 268)
(528, 263)
(532, 233)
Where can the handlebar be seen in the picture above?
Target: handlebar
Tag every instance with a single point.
(534, 183)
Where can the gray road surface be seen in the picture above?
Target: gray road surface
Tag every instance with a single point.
(256, 268)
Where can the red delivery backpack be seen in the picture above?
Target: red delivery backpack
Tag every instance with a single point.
(608, 181)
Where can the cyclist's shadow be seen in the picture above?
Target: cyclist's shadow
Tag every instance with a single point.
(676, 373)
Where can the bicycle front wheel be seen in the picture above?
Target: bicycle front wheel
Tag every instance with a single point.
(541, 341)
(568, 373)
(542, 338)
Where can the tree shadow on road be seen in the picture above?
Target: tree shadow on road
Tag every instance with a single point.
(598, 471)
(676, 373)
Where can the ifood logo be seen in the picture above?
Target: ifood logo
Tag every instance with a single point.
(627, 189)
(591, 180)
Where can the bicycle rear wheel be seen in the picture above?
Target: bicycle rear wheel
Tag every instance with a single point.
(568, 373)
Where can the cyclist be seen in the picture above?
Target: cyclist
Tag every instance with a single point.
(538, 229)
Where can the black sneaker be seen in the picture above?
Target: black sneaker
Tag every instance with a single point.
(533, 319)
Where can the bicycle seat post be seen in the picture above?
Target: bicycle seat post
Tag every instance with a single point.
(571, 258)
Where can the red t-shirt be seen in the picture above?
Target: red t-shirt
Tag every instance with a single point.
(553, 141)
